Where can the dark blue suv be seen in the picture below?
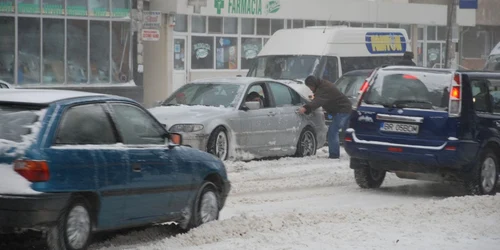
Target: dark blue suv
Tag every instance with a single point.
(427, 124)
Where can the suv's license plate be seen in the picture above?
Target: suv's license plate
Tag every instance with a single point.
(399, 128)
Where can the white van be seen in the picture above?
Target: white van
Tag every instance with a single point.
(493, 63)
(328, 52)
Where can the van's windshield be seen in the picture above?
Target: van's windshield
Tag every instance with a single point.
(410, 89)
(285, 66)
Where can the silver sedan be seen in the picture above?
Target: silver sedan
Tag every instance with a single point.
(243, 118)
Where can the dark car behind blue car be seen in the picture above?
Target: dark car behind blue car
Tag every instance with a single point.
(94, 162)
(427, 124)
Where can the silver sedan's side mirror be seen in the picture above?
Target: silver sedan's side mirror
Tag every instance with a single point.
(252, 105)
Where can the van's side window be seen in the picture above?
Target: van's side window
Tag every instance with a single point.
(480, 93)
(331, 71)
(494, 88)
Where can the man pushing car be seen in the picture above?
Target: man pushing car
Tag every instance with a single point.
(327, 96)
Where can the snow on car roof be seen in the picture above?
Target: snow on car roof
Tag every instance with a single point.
(41, 96)
(232, 80)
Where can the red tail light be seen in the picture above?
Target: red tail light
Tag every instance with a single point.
(450, 148)
(364, 87)
(348, 139)
(396, 150)
(410, 77)
(457, 79)
(455, 92)
(33, 171)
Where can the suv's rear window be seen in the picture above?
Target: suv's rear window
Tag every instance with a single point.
(410, 89)
(16, 121)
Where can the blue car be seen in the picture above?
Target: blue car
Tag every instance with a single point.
(73, 163)
(427, 124)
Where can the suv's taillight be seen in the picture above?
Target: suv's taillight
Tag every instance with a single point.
(33, 171)
(362, 91)
(455, 105)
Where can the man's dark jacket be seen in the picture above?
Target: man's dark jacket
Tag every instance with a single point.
(328, 96)
(406, 62)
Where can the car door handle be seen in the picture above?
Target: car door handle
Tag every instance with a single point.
(136, 168)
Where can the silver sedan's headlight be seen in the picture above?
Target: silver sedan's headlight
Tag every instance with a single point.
(186, 128)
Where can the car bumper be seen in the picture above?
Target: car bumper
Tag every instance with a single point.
(30, 211)
(198, 141)
(450, 155)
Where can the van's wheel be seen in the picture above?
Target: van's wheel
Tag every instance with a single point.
(73, 230)
(307, 144)
(206, 206)
(368, 177)
(218, 143)
(483, 177)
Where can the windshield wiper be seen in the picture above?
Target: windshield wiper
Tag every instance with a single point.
(386, 105)
(404, 103)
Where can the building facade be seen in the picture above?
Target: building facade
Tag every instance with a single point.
(69, 44)
(209, 38)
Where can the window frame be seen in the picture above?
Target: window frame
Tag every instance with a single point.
(113, 116)
(274, 97)
(62, 115)
(267, 95)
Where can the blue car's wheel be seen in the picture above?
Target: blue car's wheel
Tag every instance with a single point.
(73, 230)
(206, 206)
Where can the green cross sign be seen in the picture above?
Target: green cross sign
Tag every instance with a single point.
(219, 5)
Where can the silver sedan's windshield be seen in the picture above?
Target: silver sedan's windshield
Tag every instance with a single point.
(206, 94)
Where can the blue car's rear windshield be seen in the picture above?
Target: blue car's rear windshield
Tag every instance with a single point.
(414, 89)
(16, 121)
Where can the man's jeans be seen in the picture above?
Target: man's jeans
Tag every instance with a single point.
(339, 121)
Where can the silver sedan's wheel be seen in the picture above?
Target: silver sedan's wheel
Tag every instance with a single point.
(488, 175)
(307, 143)
(221, 145)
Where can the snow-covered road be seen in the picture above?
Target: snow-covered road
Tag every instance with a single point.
(314, 203)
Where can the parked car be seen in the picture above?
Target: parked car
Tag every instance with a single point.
(217, 116)
(428, 124)
(5, 85)
(73, 163)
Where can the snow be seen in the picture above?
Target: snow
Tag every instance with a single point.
(20, 147)
(41, 96)
(314, 203)
(12, 183)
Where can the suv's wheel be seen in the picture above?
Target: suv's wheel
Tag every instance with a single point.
(218, 143)
(307, 144)
(206, 206)
(368, 177)
(73, 230)
(483, 177)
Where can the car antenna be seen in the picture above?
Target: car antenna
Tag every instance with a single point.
(329, 19)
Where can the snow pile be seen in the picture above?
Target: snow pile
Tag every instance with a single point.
(12, 183)
(27, 140)
(453, 223)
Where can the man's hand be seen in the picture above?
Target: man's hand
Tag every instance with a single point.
(302, 110)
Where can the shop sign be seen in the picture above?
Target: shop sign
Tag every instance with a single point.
(150, 35)
(152, 20)
(385, 42)
(53, 9)
(6, 6)
(201, 50)
(247, 7)
(28, 8)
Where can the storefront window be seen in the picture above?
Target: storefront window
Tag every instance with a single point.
(7, 6)
(434, 55)
(407, 27)
(431, 33)
(99, 52)
(380, 25)
(28, 6)
(227, 52)
(7, 48)
(76, 7)
(230, 25)
(263, 27)
(320, 23)
(353, 24)
(277, 24)
(310, 23)
(29, 50)
(53, 51)
(202, 52)
(99, 8)
(215, 25)
(121, 8)
(250, 48)
(77, 51)
(199, 24)
(298, 24)
(121, 56)
(248, 26)
(179, 54)
(441, 33)
(53, 7)
(181, 23)
(368, 25)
